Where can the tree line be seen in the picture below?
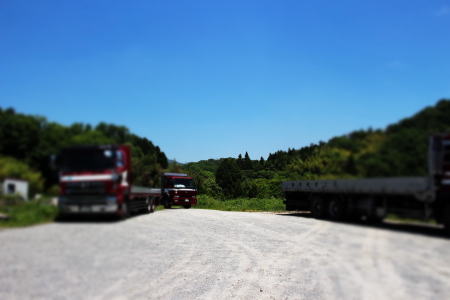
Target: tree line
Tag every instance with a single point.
(399, 149)
(27, 142)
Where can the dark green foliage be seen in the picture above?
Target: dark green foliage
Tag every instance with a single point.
(32, 140)
(18, 133)
(229, 178)
(350, 165)
(240, 161)
(261, 164)
(249, 188)
(247, 164)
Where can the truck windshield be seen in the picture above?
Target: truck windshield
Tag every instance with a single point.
(90, 159)
(183, 183)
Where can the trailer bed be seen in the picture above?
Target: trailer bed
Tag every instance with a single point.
(140, 190)
(419, 187)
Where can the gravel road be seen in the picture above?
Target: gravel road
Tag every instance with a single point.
(205, 254)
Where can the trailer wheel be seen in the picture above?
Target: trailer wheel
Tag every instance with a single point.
(318, 207)
(336, 209)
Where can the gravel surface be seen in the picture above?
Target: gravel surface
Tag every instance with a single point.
(206, 254)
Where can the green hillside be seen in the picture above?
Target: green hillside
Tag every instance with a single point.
(398, 150)
(27, 142)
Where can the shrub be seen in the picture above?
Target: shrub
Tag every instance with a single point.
(241, 204)
(28, 213)
(10, 200)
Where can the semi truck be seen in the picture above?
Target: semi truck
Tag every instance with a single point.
(372, 199)
(178, 189)
(98, 180)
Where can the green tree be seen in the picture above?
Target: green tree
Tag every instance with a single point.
(240, 162)
(247, 164)
(229, 178)
(250, 188)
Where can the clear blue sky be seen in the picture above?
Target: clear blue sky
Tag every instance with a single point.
(210, 79)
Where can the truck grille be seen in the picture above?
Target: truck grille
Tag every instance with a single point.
(185, 193)
(85, 200)
(85, 188)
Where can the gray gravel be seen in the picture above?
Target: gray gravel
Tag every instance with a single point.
(204, 254)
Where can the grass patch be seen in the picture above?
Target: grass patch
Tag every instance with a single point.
(159, 207)
(240, 204)
(397, 219)
(28, 213)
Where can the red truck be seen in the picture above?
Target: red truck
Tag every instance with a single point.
(98, 180)
(178, 189)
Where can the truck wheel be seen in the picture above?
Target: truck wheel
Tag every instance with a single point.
(336, 209)
(125, 213)
(447, 219)
(187, 206)
(150, 205)
(318, 207)
(167, 204)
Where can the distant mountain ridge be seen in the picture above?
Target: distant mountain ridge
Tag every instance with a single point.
(174, 161)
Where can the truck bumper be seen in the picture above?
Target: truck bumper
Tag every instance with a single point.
(87, 205)
(184, 201)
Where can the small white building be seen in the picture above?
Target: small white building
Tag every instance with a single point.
(11, 186)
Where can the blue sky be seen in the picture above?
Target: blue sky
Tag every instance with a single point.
(210, 79)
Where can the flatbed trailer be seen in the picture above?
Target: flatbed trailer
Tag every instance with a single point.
(373, 198)
(143, 199)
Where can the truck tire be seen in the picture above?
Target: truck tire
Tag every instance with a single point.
(187, 206)
(447, 218)
(124, 211)
(336, 209)
(167, 203)
(150, 205)
(318, 208)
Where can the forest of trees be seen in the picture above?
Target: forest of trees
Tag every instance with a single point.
(398, 150)
(27, 143)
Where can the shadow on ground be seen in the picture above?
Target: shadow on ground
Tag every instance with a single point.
(89, 219)
(415, 228)
(100, 218)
